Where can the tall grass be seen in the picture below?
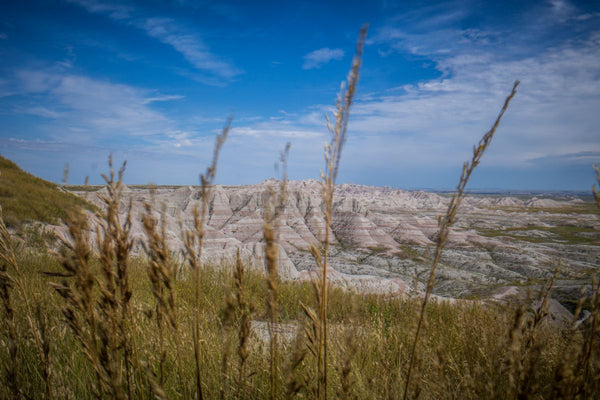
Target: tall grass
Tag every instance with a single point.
(193, 248)
(333, 154)
(446, 222)
(273, 209)
(91, 321)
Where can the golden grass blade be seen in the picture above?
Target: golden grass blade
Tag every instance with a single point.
(333, 153)
(274, 208)
(193, 247)
(447, 221)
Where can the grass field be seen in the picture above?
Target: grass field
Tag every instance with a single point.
(27, 198)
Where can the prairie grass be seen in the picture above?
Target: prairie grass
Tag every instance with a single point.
(86, 323)
(27, 198)
(463, 353)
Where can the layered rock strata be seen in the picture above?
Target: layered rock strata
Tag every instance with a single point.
(382, 238)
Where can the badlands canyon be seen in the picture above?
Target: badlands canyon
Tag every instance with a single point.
(383, 238)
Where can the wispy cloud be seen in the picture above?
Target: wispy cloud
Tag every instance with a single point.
(562, 9)
(320, 57)
(191, 47)
(87, 110)
(395, 133)
(6, 88)
(435, 121)
(162, 98)
(113, 10)
(168, 31)
(584, 157)
(113, 107)
(433, 124)
(293, 133)
(39, 111)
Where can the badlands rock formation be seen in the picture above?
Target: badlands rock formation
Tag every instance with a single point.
(383, 238)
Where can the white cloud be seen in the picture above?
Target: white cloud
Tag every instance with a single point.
(40, 112)
(317, 58)
(191, 47)
(113, 108)
(6, 88)
(114, 10)
(162, 98)
(167, 31)
(37, 81)
(91, 110)
(292, 133)
(433, 124)
(562, 9)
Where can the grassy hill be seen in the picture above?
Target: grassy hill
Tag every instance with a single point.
(26, 198)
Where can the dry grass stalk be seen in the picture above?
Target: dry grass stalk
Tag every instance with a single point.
(42, 323)
(226, 328)
(313, 329)
(156, 389)
(159, 268)
(161, 271)
(115, 237)
(525, 361)
(114, 246)
(295, 382)
(578, 374)
(8, 259)
(585, 376)
(333, 153)
(80, 303)
(274, 207)
(312, 332)
(245, 309)
(103, 328)
(589, 360)
(238, 310)
(446, 222)
(193, 245)
(564, 377)
(345, 369)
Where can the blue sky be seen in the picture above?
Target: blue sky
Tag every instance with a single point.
(152, 82)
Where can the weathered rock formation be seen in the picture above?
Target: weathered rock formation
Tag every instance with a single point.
(382, 238)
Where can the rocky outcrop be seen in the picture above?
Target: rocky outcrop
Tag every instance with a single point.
(381, 238)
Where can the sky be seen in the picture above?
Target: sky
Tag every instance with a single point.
(153, 82)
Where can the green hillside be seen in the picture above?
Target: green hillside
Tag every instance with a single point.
(25, 198)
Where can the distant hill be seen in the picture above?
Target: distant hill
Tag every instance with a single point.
(26, 198)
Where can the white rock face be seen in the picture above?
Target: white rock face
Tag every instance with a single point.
(381, 238)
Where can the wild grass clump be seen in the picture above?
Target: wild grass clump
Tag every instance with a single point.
(91, 321)
(465, 351)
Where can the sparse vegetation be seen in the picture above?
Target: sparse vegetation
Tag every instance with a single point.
(27, 198)
(558, 234)
(586, 207)
(85, 324)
